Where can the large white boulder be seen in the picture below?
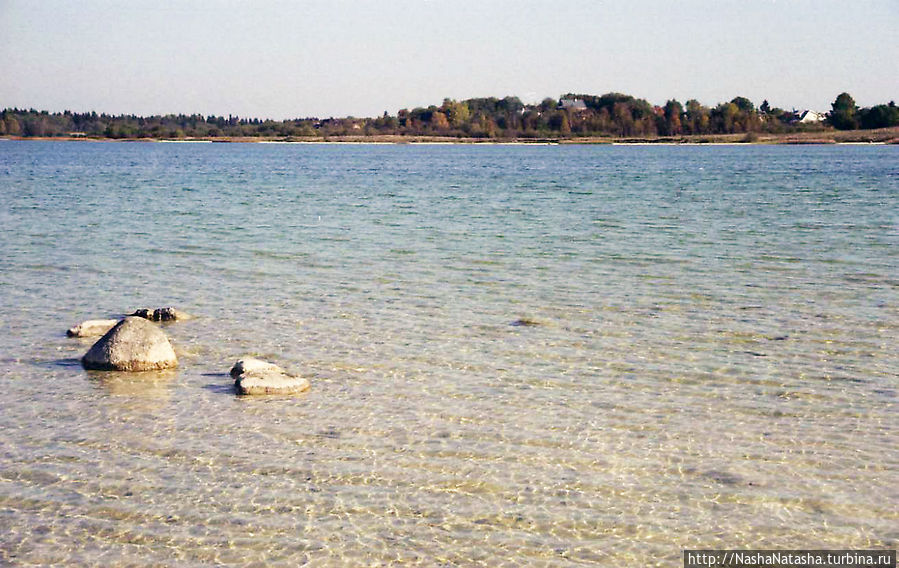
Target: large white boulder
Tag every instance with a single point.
(134, 344)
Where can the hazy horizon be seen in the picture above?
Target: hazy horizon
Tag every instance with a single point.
(284, 60)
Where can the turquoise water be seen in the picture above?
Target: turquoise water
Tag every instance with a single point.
(715, 363)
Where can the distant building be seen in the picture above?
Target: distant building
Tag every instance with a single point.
(809, 116)
(574, 105)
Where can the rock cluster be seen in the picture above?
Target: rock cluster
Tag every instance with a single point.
(136, 344)
(133, 344)
(253, 376)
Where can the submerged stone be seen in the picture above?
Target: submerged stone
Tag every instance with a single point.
(254, 376)
(134, 344)
(91, 328)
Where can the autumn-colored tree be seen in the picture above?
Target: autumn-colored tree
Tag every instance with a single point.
(457, 112)
(673, 112)
(723, 118)
(403, 118)
(439, 120)
(697, 117)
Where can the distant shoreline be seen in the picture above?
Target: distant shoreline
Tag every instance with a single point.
(879, 136)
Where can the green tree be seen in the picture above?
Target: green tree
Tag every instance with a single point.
(880, 116)
(673, 112)
(457, 112)
(724, 118)
(547, 104)
(697, 117)
(623, 119)
(743, 104)
(35, 126)
(843, 116)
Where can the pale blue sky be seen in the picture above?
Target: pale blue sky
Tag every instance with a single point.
(279, 59)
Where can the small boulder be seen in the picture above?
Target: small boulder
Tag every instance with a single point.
(253, 376)
(162, 314)
(91, 328)
(134, 344)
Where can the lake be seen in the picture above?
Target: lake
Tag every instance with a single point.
(711, 355)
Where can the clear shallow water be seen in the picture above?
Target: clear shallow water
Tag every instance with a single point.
(716, 363)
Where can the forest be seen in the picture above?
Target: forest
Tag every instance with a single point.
(571, 116)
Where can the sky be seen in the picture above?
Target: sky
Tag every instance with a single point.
(294, 59)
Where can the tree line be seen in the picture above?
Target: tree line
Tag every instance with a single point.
(570, 116)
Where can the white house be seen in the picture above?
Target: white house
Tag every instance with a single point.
(810, 116)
